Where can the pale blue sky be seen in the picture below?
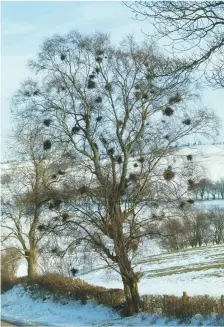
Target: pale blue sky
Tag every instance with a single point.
(26, 24)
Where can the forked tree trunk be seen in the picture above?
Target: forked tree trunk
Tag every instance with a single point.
(129, 277)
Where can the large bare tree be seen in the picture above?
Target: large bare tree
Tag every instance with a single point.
(196, 28)
(110, 108)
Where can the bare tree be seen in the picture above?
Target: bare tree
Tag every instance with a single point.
(26, 199)
(216, 218)
(9, 263)
(193, 26)
(109, 107)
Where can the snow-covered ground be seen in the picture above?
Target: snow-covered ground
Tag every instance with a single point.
(18, 306)
(197, 271)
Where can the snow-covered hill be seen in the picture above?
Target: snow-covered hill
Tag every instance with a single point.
(197, 271)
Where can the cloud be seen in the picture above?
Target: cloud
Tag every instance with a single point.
(11, 28)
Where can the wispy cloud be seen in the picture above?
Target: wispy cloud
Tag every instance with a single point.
(11, 28)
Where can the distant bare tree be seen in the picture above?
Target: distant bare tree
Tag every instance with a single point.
(26, 199)
(101, 103)
(9, 263)
(193, 26)
(216, 218)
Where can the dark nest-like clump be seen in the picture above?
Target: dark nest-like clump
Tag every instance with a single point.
(57, 203)
(133, 177)
(35, 93)
(41, 228)
(182, 205)
(145, 96)
(141, 159)
(97, 69)
(99, 52)
(61, 172)
(191, 185)
(111, 151)
(168, 111)
(119, 160)
(74, 271)
(166, 137)
(176, 98)
(98, 100)
(189, 157)
(75, 130)
(138, 95)
(54, 176)
(83, 189)
(191, 201)
(99, 59)
(64, 216)
(92, 76)
(91, 84)
(135, 165)
(54, 250)
(47, 122)
(103, 140)
(51, 206)
(47, 145)
(27, 94)
(108, 86)
(63, 56)
(186, 121)
(98, 119)
(137, 86)
(168, 174)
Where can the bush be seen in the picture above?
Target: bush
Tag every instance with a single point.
(62, 287)
(182, 307)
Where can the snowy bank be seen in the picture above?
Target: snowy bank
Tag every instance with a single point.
(19, 306)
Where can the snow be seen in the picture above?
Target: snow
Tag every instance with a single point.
(204, 275)
(18, 306)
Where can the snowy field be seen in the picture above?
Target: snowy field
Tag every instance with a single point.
(18, 306)
(197, 271)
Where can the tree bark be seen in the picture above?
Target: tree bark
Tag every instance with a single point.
(129, 277)
(31, 257)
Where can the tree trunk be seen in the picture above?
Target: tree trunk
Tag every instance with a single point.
(129, 277)
(31, 258)
(131, 295)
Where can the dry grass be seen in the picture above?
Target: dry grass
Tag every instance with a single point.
(182, 307)
(62, 287)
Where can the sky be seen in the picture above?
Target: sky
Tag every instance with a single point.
(25, 25)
